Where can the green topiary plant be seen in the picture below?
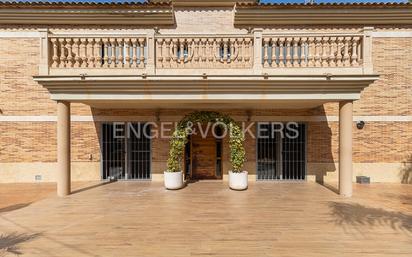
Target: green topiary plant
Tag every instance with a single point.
(183, 129)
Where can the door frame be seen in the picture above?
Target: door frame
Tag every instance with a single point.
(306, 124)
(126, 150)
(216, 159)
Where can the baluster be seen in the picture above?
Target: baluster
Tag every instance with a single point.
(210, 52)
(135, 53)
(63, 52)
(233, 49)
(311, 47)
(265, 52)
(70, 55)
(318, 46)
(142, 43)
(195, 57)
(325, 55)
(346, 57)
(180, 50)
(339, 52)
(273, 62)
(282, 52)
(295, 52)
(303, 52)
(174, 52)
(159, 54)
(127, 53)
(355, 54)
(190, 51)
(91, 55)
(203, 54)
(77, 57)
(332, 57)
(216, 46)
(113, 55)
(120, 43)
(240, 49)
(359, 51)
(100, 49)
(167, 53)
(83, 52)
(225, 50)
(106, 58)
(247, 52)
(55, 57)
(288, 52)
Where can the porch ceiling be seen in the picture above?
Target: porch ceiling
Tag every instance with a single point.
(169, 90)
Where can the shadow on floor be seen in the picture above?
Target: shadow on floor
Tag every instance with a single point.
(92, 186)
(10, 243)
(406, 171)
(402, 198)
(14, 207)
(354, 214)
(329, 186)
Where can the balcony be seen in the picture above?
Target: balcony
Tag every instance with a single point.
(256, 53)
(211, 68)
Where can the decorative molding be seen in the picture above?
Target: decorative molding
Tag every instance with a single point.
(88, 16)
(90, 118)
(20, 34)
(393, 34)
(342, 87)
(257, 15)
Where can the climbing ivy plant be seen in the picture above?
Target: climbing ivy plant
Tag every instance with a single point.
(184, 129)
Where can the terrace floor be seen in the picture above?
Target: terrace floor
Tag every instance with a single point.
(205, 219)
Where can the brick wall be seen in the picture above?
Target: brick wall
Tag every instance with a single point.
(378, 142)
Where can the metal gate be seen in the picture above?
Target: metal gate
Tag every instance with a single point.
(281, 151)
(126, 151)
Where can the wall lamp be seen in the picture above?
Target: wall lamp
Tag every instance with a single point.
(360, 124)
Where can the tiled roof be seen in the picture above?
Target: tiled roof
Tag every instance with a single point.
(335, 4)
(81, 3)
(92, 3)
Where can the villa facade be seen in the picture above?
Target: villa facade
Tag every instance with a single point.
(72, 73)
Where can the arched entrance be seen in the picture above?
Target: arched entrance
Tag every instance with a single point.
(197, 143)
(203, 153)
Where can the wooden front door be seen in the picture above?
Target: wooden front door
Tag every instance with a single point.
(204, 157)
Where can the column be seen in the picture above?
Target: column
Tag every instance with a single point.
(63, 148)
(345, 148)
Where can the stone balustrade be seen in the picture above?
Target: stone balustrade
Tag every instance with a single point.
(204, 52)
(254, 54)
(311, 51)
(98, 52)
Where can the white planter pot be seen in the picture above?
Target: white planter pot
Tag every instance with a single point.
(238, 180)
(173, 180)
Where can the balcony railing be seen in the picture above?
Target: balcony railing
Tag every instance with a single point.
(98, 52)
(312, 51)
(206, 52)
(256, 53)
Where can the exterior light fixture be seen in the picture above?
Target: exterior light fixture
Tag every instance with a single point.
(360, 124)
(204, 75)
(144, 75)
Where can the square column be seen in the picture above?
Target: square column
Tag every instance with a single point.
(345, 148)
(63, 148)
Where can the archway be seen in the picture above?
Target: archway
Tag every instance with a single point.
(184, 129)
